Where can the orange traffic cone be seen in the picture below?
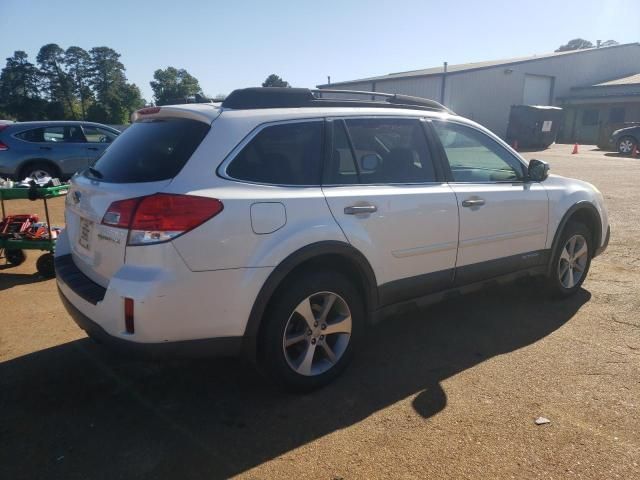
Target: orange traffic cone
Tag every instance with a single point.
(575, 149)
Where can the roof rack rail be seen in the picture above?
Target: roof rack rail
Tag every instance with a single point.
(284, 97)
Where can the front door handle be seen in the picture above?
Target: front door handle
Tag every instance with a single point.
(473, 202)
(93, 148)
(45, 148)
(356, 209)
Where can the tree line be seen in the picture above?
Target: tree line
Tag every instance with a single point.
(76, 84)
(581, 44)
(71, 84)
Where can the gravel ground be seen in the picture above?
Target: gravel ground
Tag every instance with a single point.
(451, 391)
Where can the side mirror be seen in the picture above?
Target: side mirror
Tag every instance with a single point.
(370, 162)
(538, 170)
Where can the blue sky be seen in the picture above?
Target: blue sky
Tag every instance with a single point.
(237, 43)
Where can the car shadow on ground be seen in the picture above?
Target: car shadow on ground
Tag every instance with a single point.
(9, 280)
(78, 411)
(619, 155)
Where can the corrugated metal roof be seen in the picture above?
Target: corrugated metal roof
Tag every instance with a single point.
(471, 66)
(630, 80)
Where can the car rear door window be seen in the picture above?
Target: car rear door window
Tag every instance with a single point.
(150, 151)
(283, 154)
(474, 157)
(53, 134)
(98, 135)
(381, 151)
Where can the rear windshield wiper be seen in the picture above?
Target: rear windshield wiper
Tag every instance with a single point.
(95, 173)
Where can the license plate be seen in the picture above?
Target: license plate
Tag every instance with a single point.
(86, 229)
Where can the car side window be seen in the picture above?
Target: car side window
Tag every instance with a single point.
(98, 135)
(474, 157)
(53, 134)
(284, 154)
(387, 151)
(33, 135)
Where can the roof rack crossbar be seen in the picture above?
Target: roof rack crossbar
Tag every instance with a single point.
(275, 97)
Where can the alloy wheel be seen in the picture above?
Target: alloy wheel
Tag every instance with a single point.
(317, 333)
(573, 261)
(625, 146)
(38, 174)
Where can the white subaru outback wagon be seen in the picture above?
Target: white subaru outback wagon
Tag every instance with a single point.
(280, 223)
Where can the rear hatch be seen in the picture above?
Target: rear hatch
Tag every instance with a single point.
(140, 162)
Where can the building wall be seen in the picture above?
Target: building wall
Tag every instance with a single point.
(425, 87)
(575, 129)
(486, 95)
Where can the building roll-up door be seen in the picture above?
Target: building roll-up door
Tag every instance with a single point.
(537, 90)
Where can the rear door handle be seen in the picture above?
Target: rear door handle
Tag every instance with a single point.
(93, 148)
(356, 209)
(473, 202)
(45, 148)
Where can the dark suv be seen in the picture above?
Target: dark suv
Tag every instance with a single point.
(56, 149)
(626, 140)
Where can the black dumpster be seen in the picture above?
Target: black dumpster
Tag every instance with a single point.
(533, 126)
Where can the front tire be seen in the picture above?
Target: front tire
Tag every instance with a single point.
(310, 330)
(571, 262)
(627, 145)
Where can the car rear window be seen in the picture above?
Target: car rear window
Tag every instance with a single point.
(149, 151)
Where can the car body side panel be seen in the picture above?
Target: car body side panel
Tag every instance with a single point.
(563, 194)
(512, 221)
(229, 241)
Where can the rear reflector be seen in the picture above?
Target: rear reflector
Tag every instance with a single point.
(128, 315)
(3, 146)
(160, 217)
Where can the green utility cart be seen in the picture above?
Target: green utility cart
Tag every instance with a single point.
(13, 246)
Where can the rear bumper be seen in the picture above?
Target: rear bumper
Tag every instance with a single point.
(604, 246)
(223, 346)
(177, 311)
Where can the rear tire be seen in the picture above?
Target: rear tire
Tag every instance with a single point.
(310, 330)
(627, 145)
(15, 257)
(45, 265)
(570, 264)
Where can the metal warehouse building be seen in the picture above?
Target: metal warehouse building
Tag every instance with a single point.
(485, 91)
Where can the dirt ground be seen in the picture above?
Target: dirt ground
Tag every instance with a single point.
(448, 392)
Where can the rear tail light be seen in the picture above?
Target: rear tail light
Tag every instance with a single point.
(3, 146)
(160, 217)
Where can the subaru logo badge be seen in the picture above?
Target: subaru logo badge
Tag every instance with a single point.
(76, 197)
